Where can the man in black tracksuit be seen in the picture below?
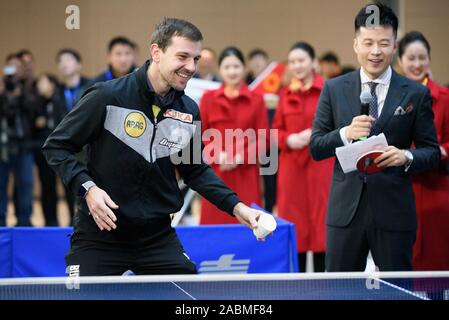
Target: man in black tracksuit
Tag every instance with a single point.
(134, 126)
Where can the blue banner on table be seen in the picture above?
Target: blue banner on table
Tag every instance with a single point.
(6, 260)
(39, 252)
(234, 249)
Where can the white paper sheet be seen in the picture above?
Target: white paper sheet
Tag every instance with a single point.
(348, 155)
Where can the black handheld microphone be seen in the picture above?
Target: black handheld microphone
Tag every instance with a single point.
(365, 99)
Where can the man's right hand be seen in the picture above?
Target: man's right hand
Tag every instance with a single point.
(100, 204)
(360, 127)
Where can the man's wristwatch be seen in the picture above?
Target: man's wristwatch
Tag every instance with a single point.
(409, 156)
(82, 192)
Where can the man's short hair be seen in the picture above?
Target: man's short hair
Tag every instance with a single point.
(70, 51)
(212, 51)
(24, 52)
(170, 27)
(387, 18)
(120, 40)
(257, 52)
(330, 57)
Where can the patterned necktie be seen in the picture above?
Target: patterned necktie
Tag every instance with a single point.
(373, 107)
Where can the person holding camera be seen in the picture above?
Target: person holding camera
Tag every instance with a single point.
(16, 116)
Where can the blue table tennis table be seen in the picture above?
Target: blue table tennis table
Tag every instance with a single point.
(327, 286)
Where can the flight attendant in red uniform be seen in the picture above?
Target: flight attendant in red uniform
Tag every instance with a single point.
(431, 189)
(232, 106)
(303, 184)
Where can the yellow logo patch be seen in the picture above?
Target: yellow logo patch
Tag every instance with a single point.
(135, 124)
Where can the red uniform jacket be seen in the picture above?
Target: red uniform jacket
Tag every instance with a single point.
(431, 189)
(246, 111)
(303, 184)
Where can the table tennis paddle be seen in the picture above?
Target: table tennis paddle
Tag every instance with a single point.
(365, 163)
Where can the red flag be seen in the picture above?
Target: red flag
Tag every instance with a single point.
(269, 81)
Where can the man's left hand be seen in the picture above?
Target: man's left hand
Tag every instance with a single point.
(393, 157)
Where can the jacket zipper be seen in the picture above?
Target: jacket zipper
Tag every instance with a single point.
(152, 138)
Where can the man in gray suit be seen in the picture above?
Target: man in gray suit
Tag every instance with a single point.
(374, 212)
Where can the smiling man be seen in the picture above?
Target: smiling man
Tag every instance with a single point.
(377, 212)
(128, 189)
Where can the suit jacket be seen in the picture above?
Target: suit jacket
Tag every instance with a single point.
(390, 194)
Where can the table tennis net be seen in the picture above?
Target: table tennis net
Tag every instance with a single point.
(317, 286)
